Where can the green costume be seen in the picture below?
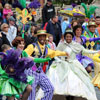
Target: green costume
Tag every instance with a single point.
(11, 87)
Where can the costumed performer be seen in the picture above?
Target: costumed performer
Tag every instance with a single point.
(84, 60)
(40, 50)
(15, 67)
(67, 75)
(91, 34)
(92, 45)
(88, 12)
(19, 43)
(13, 81)
(96, 79)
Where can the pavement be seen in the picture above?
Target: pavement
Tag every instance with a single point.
(98, 93)
(96, 89)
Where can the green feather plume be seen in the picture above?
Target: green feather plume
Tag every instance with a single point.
(92, 10)
(85, 7)
(89, 11)
(23, 3)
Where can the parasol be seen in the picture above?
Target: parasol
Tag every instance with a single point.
(72, 12)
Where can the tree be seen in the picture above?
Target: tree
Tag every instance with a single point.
(73, 1)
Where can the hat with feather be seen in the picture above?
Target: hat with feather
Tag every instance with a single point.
(88, 10)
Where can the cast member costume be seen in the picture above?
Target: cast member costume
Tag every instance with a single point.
(41, 51)
(84, 60)
(68, 76)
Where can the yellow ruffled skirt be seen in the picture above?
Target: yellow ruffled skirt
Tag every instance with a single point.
(96, 64)
(96, 80)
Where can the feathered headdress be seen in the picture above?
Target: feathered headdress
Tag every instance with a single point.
(89, 11)
(22, 4)
(19, 4)
(14, 65)
(34, 4)
(74, 5)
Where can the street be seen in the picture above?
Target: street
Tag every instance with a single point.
(98, 93)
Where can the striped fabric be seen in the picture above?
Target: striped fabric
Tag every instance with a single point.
(42, 81)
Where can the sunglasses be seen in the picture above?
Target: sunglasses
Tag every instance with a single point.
(6, 27)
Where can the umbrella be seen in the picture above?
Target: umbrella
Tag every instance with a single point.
(72, 12)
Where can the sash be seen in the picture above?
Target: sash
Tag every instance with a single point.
(40, 52)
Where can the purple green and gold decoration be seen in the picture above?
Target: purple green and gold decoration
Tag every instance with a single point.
(72, 12)
(24, 18)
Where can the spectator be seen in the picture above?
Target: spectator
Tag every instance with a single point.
(0, 41)
(59, 16)
(4, 32)
(98, 23)
(74, 23)
(6, 10)
(12, 31)
(97, 31)
(48, 11)
(32, 31)
(7, 18)
(5, 47)
(65, 24)
(54, 28)
(1, 13)
(51, 43)
(27, 39)
(52, 46)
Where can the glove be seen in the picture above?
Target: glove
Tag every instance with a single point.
(41, 60)
(94, 39)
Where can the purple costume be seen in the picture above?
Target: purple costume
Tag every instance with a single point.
(13, 80)
(44, 83)
(84, 60)
(40, 77)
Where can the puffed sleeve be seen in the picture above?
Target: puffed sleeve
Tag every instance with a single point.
(61, 46)
(54, 53)
(29, 50)
(86, 51)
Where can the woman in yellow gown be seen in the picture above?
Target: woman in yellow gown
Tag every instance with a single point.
(96, 79)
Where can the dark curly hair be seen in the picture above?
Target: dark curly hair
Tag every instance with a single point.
(71, 33)
(76, 27)
(74, 22)
(17, 41)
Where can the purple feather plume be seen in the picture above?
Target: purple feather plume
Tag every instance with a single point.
(2, 55)
(22, 64)
(12, 57)
(34, 4)
(74, 5)
(16, 4)
(13, 60)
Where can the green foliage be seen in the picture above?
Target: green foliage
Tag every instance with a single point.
(60, 2)
(68, 2)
